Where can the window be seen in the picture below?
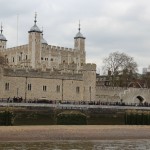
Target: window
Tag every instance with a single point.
(26, 57)
(41, 58)
(58, 88)
(90, 89)
(19, 58)
(7, 86)
(44, 88)
(77, 89)
(29, 87)
(13, 59)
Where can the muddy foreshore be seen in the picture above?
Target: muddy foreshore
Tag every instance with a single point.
(71, 132)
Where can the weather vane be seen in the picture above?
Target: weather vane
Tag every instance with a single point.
(35, 17)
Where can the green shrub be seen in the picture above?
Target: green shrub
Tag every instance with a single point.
(6, 118)
(137, 117)
(71, 118)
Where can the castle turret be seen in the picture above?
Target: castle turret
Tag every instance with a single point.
(35, 45)
(79, 44)
(79, 41)
(2, 40)
(43, 41)
(89, 81)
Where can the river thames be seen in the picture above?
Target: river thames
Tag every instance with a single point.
(78, 145)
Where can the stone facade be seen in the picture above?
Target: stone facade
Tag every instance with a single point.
(38, 70)
(37, 54)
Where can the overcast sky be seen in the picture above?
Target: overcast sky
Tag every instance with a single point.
(108, 25)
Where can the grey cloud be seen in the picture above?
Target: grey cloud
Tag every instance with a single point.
(108, 25)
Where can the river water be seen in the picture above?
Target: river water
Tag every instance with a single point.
(78, 145)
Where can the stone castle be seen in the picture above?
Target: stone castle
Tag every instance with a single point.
(41, 71)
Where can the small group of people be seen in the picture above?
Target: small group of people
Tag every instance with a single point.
(46, 101)
(14, 100)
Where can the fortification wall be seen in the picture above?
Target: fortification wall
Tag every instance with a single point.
(89, 81)
(35, 84)
(117, 94)
(60, 48)
(21, 47)
(109, 94)
(30, 73)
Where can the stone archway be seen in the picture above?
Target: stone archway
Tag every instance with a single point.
(139, 99)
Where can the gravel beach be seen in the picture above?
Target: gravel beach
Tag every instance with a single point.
(70, 132)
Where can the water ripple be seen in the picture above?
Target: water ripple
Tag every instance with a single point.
(78, 145)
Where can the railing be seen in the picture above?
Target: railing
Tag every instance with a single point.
(72, 106)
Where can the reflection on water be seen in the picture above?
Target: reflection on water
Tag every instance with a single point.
(79, 145)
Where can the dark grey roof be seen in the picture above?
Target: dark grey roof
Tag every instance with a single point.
(2, 37)
(43, 41)
(79, 35)
(35, 28)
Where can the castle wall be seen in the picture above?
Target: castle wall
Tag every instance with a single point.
(35, 49)
(73, 89)
(89, 77)
(17, 56)
(53, 56)
(16, 87)
(43, 85)
(2, 45)
(69, 78)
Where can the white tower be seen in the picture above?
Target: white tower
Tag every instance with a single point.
(2, 40)
(79, 44)
(35, 45)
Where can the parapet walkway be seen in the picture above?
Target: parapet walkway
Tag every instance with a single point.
(73, 106)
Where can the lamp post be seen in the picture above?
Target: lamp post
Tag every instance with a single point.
(90, 93)
(17, 91)
(25, 88)
(62, 89)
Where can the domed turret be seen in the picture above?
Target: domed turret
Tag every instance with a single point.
(35, 28)
(79, 34)
(2, 40)
(43, 41)
(2, 37)
(79, 45)
(35, 45)
(79, 40)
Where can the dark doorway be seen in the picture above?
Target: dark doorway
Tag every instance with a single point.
(140, 98)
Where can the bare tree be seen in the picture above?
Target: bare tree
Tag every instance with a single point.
(116, 63)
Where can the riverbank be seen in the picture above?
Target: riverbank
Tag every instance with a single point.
(57, 132)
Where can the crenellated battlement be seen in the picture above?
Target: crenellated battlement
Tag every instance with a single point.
(31, 73)
(89, 67)
(60, 48)
(18, 47)
(56, 72)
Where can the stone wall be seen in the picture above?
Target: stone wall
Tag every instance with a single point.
(127, 95)
(89, 77)
(37, 84)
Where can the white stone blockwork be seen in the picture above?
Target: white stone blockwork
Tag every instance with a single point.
(38, 70)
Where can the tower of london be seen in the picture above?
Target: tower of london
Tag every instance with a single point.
(38, 54)
(39, 70)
